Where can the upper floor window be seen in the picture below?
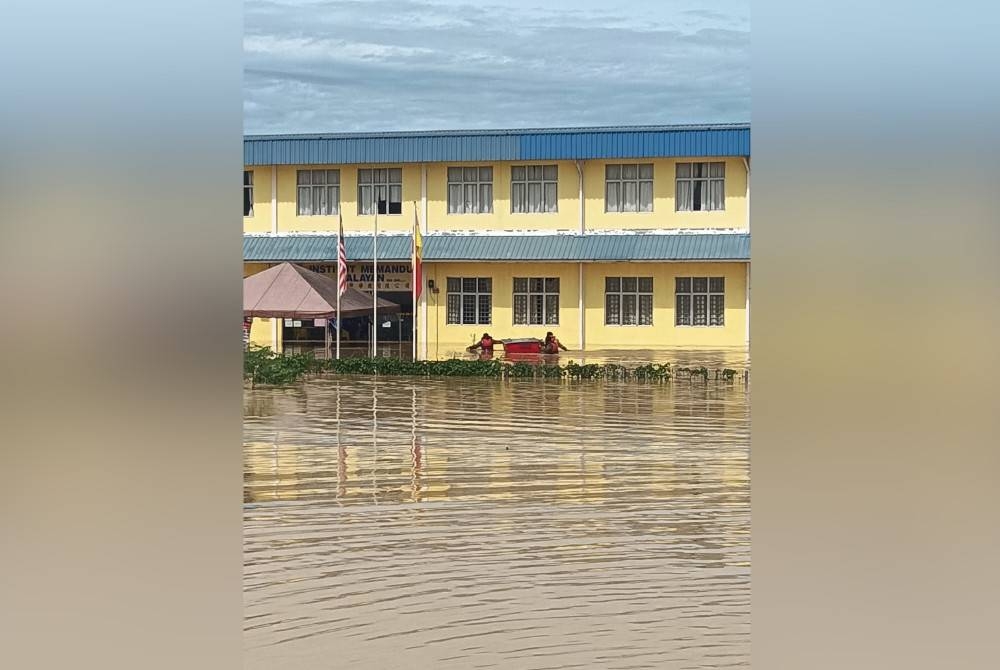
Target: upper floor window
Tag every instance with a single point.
(701, 301)
(318, 192)
(628, 301)
(534, 189)
(628, 187)
(470, 190)
(470, 300)
(384, 185)
(701, 186)
(248, 193)
(536, 301)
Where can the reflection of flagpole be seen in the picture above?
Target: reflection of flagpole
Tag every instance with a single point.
(374, 442)
(414, 448)
(341, 460)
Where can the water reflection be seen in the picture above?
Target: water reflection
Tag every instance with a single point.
(460, 523)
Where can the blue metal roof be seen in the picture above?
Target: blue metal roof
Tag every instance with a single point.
(620, 247)
(499, 145)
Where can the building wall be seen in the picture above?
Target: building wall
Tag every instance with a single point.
(260, 222)
(664, 191)
(663, 332)
(567, 218)
(445, 339)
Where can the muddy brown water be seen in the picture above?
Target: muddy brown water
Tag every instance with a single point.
(473, 523)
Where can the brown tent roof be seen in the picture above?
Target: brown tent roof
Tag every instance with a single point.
(292, 292)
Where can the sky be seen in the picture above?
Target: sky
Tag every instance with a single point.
(377, 65)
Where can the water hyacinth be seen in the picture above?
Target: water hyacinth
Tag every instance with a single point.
(263, 366)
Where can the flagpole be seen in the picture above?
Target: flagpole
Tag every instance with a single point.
(413, 282)
(375, 278)
(340, 240)
(338, 301)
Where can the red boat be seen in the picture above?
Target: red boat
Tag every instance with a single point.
(523, 345)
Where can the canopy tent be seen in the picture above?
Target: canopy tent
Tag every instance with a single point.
(291, 291)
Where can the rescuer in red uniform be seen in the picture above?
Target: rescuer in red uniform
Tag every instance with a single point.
(485, 344)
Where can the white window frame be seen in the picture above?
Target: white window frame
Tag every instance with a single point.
(709, 293)
(707, 181)
(462, 292)
(521, 205)
(638, 293)
(331, 183)
(381, 181)
(480, 179)
(248, 192)
(528, 294)
(621, 181)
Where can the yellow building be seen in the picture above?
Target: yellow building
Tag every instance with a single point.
(625, 237)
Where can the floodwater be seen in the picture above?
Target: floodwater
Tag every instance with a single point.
(471, 523)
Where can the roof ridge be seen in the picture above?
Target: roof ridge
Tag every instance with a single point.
(733, 125)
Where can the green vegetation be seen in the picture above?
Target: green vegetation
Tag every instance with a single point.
(263, 366)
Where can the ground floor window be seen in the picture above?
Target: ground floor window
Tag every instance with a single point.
(628, 301)
(470, 300)
(701, 301)
(536, 301)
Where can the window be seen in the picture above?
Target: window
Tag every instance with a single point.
(470, 300)
(318, 192)
(470, 190)
(701, 187)
(533, 189)
(628, 187)
(628, 301)
(248, 193)
(384, 185)
(536, 301)
(701, 301)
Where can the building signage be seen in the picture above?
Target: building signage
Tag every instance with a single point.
(391, 276)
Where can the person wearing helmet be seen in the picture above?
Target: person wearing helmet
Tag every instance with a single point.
(552, 345)
(485, 344)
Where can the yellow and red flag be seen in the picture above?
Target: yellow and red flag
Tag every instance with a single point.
(418, 250)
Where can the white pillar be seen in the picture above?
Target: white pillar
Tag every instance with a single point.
(583, 314)
(747, 317)
(746, 164)
(274, 199)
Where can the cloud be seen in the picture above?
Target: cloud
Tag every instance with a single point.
(410, 65)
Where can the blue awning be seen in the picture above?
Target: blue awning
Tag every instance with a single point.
(451, 247)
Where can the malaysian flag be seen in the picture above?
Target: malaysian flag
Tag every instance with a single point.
(341, 262)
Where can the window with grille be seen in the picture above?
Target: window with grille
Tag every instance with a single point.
(701, 187)
(470, 190)
(628, 187)
(701, 301)
(248, 193)
(382, 185)
(470, 300)
(318, 192)
(628, 301)
(536, 301)
(534, 189)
